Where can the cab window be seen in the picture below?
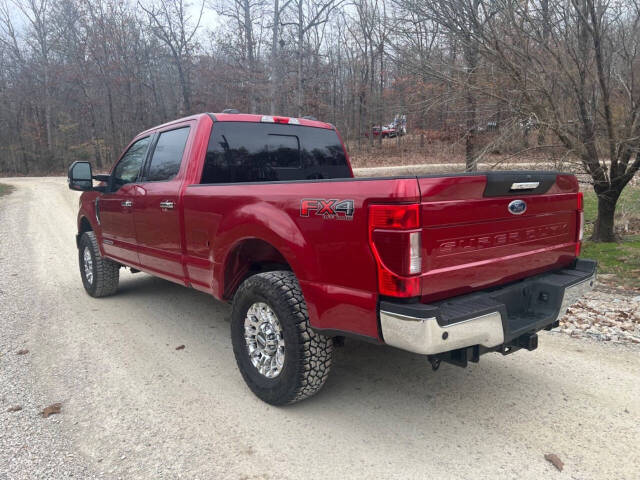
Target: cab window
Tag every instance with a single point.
(167, 155)
(129, 166)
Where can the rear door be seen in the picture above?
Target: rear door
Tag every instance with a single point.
(115, 207)
(156, 212)
(482, 230)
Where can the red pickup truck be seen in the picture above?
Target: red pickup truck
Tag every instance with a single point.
(264, 212)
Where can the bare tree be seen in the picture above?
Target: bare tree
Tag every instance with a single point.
(37, 13)
(579, 79)
(175, 27)
(276, 64)
(79, 77)
(308, 14)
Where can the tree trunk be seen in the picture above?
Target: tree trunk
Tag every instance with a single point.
(603, 230)
(248, 33)
(184, 83)
(275, 69)
(299, 93)
(470, 158)
(471, 57)
(381, 101)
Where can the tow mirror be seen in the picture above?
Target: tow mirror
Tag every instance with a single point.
(80, 177)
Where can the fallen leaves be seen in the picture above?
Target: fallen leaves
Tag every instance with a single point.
(554, 460)
(52, 410)
(604, 316)
(14, 409)
(180, 347)
(24, 351)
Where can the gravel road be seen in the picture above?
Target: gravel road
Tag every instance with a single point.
(135, 407)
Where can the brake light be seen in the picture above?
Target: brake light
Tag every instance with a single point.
(395, 240)
(580, 224)
(394, 216)
(273, 119)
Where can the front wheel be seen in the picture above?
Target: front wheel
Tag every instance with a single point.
(281, 358)
(100, 276)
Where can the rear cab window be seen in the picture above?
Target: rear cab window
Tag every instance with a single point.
(167, 155)
(258, 152)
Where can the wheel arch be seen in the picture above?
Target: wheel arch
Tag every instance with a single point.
(84, 225)
(255, 238)
(247, 257)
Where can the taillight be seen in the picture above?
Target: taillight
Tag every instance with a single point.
(394, 216)
(580, 224)
(395, 239)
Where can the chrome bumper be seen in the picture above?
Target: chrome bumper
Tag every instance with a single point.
(426, 335)
(574, 293)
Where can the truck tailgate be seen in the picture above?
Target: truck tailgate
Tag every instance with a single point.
(472, 239)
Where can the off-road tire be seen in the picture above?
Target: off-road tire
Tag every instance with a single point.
(308, 354)
(106, 272)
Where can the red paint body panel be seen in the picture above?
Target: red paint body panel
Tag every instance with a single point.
(159, 238)
(469, 241)
(158, 231)
(472, 242)
(326, 255)
(117, 220)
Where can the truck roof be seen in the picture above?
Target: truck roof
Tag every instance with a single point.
(247, 117)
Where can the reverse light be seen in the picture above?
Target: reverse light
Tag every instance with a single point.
(395, 238)
(415, 257)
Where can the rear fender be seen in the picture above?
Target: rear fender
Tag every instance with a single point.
(265, 222)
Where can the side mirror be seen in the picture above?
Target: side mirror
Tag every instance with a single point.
(80, 177)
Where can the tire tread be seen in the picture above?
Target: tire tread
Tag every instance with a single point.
(316, 351)
(107, 272)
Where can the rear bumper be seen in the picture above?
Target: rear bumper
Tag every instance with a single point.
(490, 319)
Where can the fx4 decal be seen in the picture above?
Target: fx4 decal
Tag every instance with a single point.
(332, 209)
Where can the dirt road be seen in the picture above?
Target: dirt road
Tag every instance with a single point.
(135, 407)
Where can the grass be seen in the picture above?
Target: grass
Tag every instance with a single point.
(628, 207)
(619, 259)
(5, 189)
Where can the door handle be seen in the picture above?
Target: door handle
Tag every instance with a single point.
(166, 204)
(127, 203)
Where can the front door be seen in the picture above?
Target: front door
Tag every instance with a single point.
(156, 211)
(115, 207)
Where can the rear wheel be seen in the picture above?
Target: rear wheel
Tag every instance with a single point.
(281, 358)
(100, 276)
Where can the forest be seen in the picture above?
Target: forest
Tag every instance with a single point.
(554, 79)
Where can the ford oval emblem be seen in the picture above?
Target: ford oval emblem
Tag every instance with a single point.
(518, 207)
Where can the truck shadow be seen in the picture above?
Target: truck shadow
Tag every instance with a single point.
(380, 406)
(367, 375)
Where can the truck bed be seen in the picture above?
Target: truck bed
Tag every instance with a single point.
(470, 240)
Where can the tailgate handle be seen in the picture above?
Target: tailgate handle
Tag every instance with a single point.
(525, 185)
(505, 184)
